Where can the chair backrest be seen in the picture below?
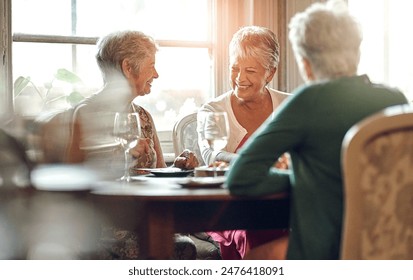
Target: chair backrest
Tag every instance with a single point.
(53, 130)
(185, 136)
(377, 161)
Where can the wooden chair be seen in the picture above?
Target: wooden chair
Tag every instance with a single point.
(377, 161)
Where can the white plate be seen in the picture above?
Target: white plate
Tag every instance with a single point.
(202, 182)
(63, 177)
(167, 171)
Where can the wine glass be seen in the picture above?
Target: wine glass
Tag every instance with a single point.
(215, 131)
(127, 131)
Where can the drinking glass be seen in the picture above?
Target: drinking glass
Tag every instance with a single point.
(215, 131)
(127, 131)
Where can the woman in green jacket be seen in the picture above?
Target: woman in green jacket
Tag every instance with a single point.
(310, 126)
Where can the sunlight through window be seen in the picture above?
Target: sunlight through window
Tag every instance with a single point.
(185, 70)
(386, 53)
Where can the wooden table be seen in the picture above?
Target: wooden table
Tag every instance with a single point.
(156, 208)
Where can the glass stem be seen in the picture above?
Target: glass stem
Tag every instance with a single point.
(126, 175)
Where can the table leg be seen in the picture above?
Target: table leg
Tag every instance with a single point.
(156, 232)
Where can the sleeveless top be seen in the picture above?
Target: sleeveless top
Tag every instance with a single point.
(148, 131)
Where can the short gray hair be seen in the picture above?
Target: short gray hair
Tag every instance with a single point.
(329, 37)
(258, 42)
(115, 47)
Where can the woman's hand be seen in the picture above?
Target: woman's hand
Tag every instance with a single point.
(143, 154)
(283, 161)
(219, 164)
(143, 147)
(186, 160)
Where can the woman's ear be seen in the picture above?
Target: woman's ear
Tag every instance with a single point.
(126, 68)
(272, 72)
(308, 70)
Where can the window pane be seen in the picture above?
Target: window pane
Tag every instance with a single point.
(385, 51)
(185, 73)
(40, 62)
(183, 85)
(400, 46)
(41, 17)
(163, 19)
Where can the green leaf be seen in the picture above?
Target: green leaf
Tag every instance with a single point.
(19, 84)
(65, 75)
(48, 85)
(74, 98)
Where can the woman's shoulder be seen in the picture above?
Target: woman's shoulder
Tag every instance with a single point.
(279, 94)
(141, 111)
(146, 121)
(144, 115)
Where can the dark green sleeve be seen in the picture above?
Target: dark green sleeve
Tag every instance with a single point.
(278, 181)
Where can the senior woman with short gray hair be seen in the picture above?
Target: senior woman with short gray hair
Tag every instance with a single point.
(254, 53)
(127, 63)
(310, 126)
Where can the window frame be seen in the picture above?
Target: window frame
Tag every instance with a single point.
(6, 79)
(227, 17)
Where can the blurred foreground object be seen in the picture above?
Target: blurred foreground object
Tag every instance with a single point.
(45, 212)
(14, 188)
(14, 165)
(63, 223)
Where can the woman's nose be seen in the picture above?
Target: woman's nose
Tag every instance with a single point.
(155, 74)
(241, 76)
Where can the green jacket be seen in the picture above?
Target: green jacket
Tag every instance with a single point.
(310, 125)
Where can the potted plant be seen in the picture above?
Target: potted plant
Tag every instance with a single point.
(29, 107)
(45, 92)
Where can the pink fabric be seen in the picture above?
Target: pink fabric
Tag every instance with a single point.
(234, 244)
